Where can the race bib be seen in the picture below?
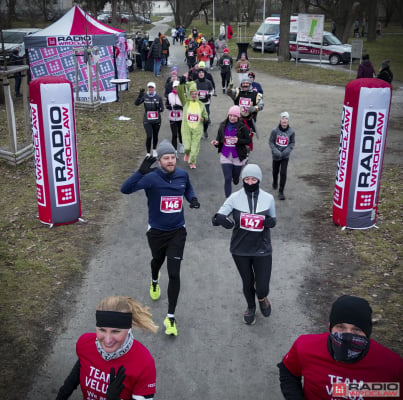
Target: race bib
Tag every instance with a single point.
(226, 62)
(203, 94)
(175, 114)
(193, 117)
(229, 141)
(171, 204)
(252, 222)
(190, 53)
(244, 104)
(243, 67)
(152, 115)
(282, 140)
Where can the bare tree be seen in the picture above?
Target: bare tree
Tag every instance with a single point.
(285, 14)
(185, 11)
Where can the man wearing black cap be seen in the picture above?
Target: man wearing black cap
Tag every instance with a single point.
(344, 355)
(165, 187)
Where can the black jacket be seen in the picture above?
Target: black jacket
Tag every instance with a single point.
(242, 133)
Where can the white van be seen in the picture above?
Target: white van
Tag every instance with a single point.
(333, 50)
(270, 30)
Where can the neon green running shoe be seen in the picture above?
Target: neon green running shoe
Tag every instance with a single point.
(155, 291)
(170, 326)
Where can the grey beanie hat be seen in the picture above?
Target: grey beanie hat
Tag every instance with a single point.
(252, 170)
(165, 147)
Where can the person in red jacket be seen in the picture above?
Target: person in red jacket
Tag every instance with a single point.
(330, 362)
(230, 32)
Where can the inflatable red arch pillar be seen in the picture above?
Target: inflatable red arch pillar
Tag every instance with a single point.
(361, 149)
(54, 138)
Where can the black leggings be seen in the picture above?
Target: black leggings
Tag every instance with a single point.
(280, 166)
(255, 274)
(176, 133)
(152, 131)
(225, 78)
(231, 174)
(169, 245)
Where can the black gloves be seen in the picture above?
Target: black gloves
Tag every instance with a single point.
(145, 166)
(269, 222)
(182, 80)
(142, 92)
(221, 219)
(177, 107)
(115, 384)
(168, 106)
(194, 203)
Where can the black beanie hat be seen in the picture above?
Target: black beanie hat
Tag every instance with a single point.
(351, 310)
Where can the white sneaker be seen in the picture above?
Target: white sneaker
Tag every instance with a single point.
(155, 153)
(181, 148)
(148, 155)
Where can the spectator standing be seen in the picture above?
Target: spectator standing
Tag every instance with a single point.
(194, 115)
(357, 28)
(366, 69)
(166, 187)
(155, 53)
(281, 142)
(230, 32)
(385, 73)
(253, 212)
(242, 67)
(345, 354)
(223, 31)
(220, 44)
(124, 368)
(145, 49)
(165, 49)
(181, 33)
(17, 60)
(153, 107)
(378, 28)
(231, 141)
(174, 35)
(225, 63)
(174, 105)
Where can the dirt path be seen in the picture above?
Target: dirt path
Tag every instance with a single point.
(215, 355)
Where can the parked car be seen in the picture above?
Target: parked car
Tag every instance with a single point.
(13, 40)
(332, 49)
(103, 18)
(141, 19)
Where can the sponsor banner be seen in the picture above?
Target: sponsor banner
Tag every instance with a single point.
(54, 136)
(353, 390)
(361, 150)
(59, 61)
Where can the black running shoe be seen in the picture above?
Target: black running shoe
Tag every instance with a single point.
(249, 316)
(265, 307)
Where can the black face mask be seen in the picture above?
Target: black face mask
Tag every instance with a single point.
(347, 347)
(251, 188)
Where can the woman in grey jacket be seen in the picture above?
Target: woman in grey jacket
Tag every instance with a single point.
(281, 142)
(253, 212)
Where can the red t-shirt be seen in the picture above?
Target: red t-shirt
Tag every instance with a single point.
(94, 370)
(309, 357)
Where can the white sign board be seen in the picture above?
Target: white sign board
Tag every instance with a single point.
(356, 48)
(310, 27)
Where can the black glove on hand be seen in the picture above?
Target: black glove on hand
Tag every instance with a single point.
(221, 219)
(269, 222)
(177, 107)
(194, 203)
(145, 166)
(115, 384)
(141, 93)
(168, 106)
(182, 80)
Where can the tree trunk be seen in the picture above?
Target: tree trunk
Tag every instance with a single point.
(372, 16)
(284, 49)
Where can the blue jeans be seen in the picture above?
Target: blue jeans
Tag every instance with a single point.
(157, 66)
